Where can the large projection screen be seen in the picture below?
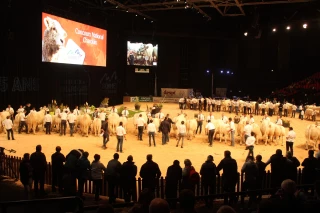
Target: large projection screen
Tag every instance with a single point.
(70, 42)
(142, 54)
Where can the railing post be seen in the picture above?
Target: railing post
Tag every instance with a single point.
(162, 187)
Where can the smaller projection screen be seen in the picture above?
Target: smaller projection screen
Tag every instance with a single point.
(70, 42)
(142, 54)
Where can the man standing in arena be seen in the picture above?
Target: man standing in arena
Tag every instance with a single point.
(48, 121)
(200, 121)
(121, 134)
(7, 123)
(210, 131)
(141, 123)
(290, 140)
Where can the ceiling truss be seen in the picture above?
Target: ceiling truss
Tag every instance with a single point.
(223, 7)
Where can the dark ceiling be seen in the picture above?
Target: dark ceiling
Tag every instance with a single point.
(203, 15)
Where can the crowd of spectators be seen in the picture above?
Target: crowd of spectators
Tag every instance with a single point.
(311, 83)
(77, 167)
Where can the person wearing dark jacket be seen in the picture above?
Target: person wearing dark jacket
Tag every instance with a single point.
(113, 171)
(250, 170)
(150, 174)
(208, 174)
(105, 133)
(229, 176)
(57, 160)
(309, 171)
(128, 179)
(173, 178)
(39, 164)
(165, 129)
(278, 162)
(70, 172)
(83, 169)
(26, 175)
(261, 174)
(292, 167)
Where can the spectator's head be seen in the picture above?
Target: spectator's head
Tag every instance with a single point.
(85, 154)
(289, 187)
(310, 153)
(149, 157)
(187, 199)
(58, 149)
(289, 154)
(290, 128)
(38, 148)
(278, 152)
(210, 158)
(250, 158)
(226, 209)
(26, 156)
(258, 158)
(159, 205)
(105, 208)
(116, 156)
(130, 158)
(265, 206)
(187, 162)
(227, 154)
(176, 162)
(145, 197)
(96, 157)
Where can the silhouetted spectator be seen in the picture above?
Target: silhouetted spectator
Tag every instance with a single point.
(83, 169)
(57, 160)
(97, 169)
(229, 176)
(250, 170)
(309, 169)
(71, 174)
(39, 164)
(26, 175)
(261, 174)
(226, 209)
(187, 182)
(208, 174)
(113, 175)
(292, 167)
(173, 178)
(128, 178)
(187, 201)
(150, 174)
(278, 163)
(159, 205)
(145, 198)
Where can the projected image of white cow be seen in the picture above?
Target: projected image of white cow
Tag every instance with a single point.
(53, 41)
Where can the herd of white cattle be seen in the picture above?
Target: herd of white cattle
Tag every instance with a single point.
(266, 131)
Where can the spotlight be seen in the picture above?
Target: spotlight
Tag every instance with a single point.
(151, 21)
(105, 2)
(221, 71)
(274, 30)
(117, 6)
(144, 18)
(208, 71)
(288, 27)
(271, 70)
(304, 26)
(127, 11)
(136, 14)
(231, 73)
(245, 34)
(227, 72)
(185, 2)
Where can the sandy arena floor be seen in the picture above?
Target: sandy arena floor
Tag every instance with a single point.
(196, 150)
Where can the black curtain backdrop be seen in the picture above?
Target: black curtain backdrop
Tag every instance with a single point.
(183, 62)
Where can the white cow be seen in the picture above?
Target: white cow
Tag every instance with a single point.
(85, 122)
(3, 116)
(36, 118)
(312, 133)
(267, 130)
(191, 128)
(177, 121)
(279, 132)
(96, 126)
(113, 120)
(124, 121)
(222, 129)
(256, 130)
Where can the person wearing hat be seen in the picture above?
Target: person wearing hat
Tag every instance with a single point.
(128, 178)
(208, 174)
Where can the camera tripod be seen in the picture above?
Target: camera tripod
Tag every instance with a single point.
(6, 163)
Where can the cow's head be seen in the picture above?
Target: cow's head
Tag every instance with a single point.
(54, 32)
